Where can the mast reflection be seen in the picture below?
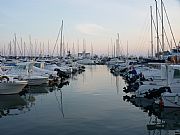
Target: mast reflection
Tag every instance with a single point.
(59, 100)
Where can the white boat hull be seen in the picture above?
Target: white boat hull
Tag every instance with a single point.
(12, 87)
(171, 100)
(37, 80)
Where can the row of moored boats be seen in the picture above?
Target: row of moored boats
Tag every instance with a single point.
(156, 82)
(15, 75)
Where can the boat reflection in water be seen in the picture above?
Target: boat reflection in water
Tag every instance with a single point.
(162, 120)
(38, 89)
(166, 120)
(41, 90)
(13, 105)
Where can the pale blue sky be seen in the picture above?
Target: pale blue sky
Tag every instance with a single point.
(97, 21)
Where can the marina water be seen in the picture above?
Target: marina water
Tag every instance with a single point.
(92, 104)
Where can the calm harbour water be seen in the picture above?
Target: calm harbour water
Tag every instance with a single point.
(91, 105)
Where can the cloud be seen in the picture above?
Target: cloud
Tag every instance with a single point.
(91, 29)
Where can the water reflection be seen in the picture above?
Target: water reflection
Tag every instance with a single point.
(84, 77)
(90, 108)
(13, 105)
(55, 89)
(35, 91)
(59, 101)
(117, 84)
(91, 70)
(38, 89)
(162, 120)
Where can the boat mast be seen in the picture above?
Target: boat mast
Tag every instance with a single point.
(4, 50)
(21, 47)
(84, 48)
(117, 45)
(15, 40)
(127, 50)
(84, 45)
(169, 24)
(56, 43)
(162, 19)
(48, 48)
(91, 50)
(64, 52)
(112, 47)
(151, 32)
(157, 29)
(43, 50)
(108, 50)
(10, 49)
(35, 51)
(24, 49)
(114, 50)
(57, 48)
(77, 47)
(30, 45)
(61, 43)
(40, 50)
(73, 50)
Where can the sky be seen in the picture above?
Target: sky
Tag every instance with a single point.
(95, 21)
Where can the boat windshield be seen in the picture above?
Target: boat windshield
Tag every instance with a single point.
(20, 67)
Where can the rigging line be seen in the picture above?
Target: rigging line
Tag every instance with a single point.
(57, 39)
(143, 28)
(147, 30)
(169, 24)
(144, 38)
(143, 31)
(156, 30)
(164, 29)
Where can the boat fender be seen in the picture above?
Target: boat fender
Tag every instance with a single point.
(11, 79)
(176, 99)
